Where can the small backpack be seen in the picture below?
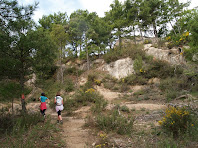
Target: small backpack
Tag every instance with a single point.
(58, 100)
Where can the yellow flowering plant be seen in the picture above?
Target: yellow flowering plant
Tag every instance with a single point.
(90, 90)
(97, 82)
(176, 120)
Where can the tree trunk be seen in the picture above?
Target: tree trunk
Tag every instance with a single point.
(134, 34)
(22, 77)
(155, 31)
(178, 26)
(120, 39)
(61, 68)
(87, 56)
(172, 27)
(141, 33)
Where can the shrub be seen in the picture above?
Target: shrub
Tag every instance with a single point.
(70, 70)
(176, 120)
(109, 85)
(30, 132)
(160, 69)
(173, 87)
(99, 105)
(130, 50)
(92, 77)
(124, 87)
(69, 85)
(73, 71)
(138, 64)
(115, 122)
(171, 94)
(135, 79)
(124, 108)
(15, 124)
(140, 92)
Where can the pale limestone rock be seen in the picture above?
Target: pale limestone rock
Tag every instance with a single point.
(172, 56)
(120, 68)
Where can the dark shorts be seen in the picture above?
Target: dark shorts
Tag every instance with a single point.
(59, 113)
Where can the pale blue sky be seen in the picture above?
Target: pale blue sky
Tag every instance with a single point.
(47, 7)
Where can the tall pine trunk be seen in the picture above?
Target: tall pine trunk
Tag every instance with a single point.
(120, 39)
(155, 30)
(87, 55)
(22, 81)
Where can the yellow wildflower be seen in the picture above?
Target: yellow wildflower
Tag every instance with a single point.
(91, 90)
(168, 38)
(160, 122)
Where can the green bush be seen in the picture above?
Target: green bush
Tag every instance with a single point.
(138, 64)
(140, 92)
(124, 87)
(173, 87)
(130, 50)
(124, 108)
(69, 85)
(83, 97)
(159, 69)
(73, 71)
(99, 105)
(70, 71)
(135, 79)
(109, 85)
(30, 132)
(176, 120)
(115, 122)
(15, 124)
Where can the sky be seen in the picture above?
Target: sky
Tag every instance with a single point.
(47, 7)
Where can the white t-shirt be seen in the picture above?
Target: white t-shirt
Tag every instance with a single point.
(58, 100)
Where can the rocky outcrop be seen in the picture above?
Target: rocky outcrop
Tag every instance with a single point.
(120, 68)
(173, 56)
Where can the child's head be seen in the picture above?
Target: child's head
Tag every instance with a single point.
(58, 94)
(43, 94)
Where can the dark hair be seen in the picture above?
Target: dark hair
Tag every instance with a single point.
(58, 94)
(43, 94)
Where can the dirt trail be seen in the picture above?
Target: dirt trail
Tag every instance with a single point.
(74, 135)
(108, 94)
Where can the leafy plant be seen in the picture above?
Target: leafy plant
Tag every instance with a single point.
(176, 120)
(115, 122)
(69, 85)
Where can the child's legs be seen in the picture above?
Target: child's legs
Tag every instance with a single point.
(43, 112)
(59, 115)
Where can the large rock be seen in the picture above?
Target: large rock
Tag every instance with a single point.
(120, 68)
(170, 55)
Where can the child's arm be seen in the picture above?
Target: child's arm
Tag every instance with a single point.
(55, 100)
